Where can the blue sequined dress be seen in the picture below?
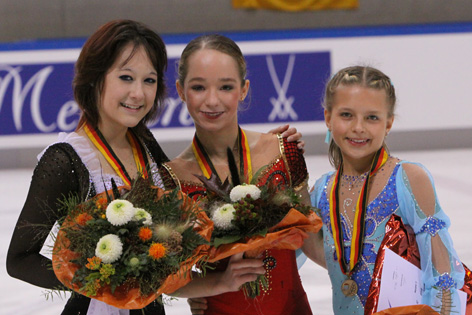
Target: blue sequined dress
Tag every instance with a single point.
(396, 197)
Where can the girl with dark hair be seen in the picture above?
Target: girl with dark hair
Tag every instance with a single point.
(119, 85)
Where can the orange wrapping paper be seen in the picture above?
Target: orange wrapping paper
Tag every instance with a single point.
(287, 234)
(419, 309)
(128, 296)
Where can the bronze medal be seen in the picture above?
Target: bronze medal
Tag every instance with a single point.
(349, 287)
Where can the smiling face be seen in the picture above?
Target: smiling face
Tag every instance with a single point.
(129, 90)
(212, 90)
(359, 121)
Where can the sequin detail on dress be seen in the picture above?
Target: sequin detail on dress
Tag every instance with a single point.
(378, 212)
(445, 282)
(432, 226)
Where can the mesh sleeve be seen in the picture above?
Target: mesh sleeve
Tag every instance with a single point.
(155, 149)
(167, 178)
(442, 269)
(296, 163)
(59, 173)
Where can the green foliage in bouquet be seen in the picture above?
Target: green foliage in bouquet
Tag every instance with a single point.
(249, 211)
(240, 211)
(139, 238)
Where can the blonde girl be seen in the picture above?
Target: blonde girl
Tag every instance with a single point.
(359, 113)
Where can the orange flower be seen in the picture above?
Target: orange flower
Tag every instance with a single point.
(157, 251)
(82, 218)
(145, 234)
(101, 203)
(93, 263)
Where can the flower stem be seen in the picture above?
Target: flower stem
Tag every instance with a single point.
(253, 289)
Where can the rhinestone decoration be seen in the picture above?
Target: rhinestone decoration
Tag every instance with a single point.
(445, 282)
(379, 210)
(432, 226)
(270, 263)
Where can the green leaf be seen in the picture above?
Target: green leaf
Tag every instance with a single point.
(261, 232)
(225, 240)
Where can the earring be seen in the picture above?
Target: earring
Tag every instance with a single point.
(328, 137)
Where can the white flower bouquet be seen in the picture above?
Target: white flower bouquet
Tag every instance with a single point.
(127, 251)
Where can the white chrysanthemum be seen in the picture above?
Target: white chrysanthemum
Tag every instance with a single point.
(109, 248)
(120, 212)
(223, 215)
(241, 191)
(142, 214)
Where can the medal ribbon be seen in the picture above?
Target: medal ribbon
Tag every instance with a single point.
(357, 240)
(206, 166)
(102, 145)
(139, 154)
(245, 156)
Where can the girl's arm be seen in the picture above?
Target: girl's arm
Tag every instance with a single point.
(443, 273)
(313, 245)
(54, 178)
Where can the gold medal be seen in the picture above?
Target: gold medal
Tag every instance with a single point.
(349, 287)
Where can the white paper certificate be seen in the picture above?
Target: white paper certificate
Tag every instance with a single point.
(401, 284)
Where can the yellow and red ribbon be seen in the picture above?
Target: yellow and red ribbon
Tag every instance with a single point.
(206, 166)
(102, 145)
(245, 155)
(357, 241)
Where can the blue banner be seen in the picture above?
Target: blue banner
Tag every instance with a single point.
(38, 98)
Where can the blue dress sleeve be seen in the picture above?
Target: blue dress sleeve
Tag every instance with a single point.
(415, 189)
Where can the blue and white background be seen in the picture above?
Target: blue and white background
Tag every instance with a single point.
(430, 67)
(36, 96)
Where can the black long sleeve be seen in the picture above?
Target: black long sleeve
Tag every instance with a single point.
(59, 173)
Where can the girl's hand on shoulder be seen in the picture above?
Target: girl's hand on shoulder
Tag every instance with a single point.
(291, 134)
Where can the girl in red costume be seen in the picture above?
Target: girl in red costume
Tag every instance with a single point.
(212, 81)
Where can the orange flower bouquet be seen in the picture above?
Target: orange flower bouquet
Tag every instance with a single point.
(251, 219)
(126, 250)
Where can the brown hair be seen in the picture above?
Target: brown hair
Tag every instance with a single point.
(98, 55)
(363, 76)
(216, 42)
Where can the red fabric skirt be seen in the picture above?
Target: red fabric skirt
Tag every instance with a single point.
(285, 294)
